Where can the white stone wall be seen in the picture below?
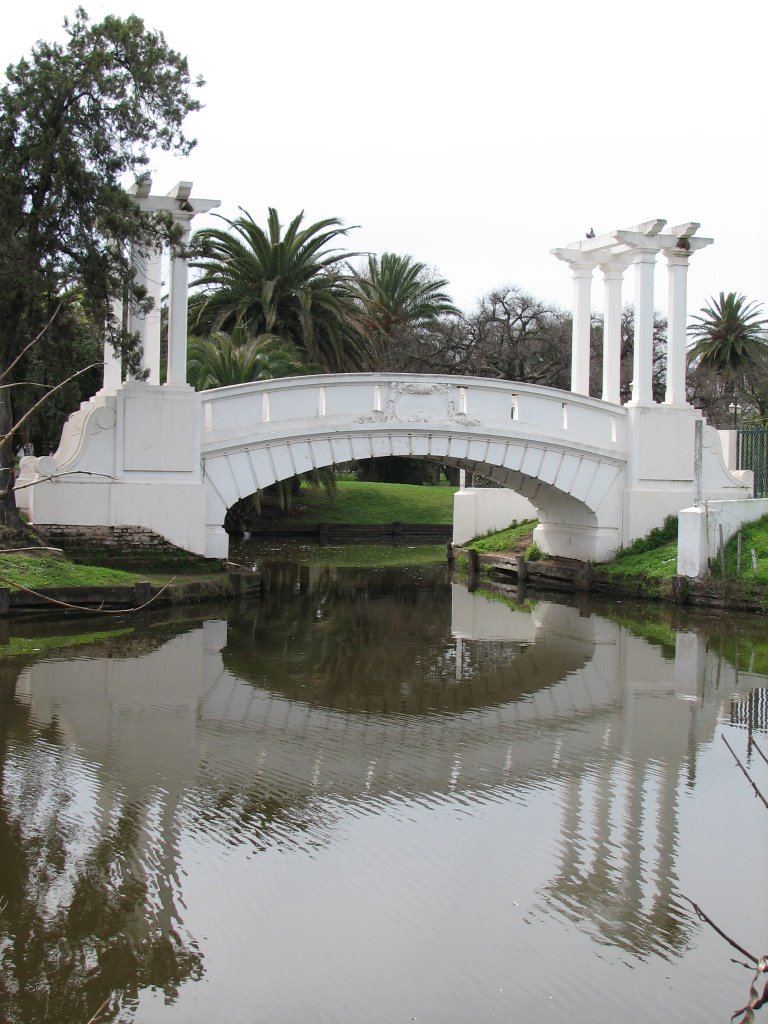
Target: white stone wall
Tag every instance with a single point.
(698, 533)
(482, 510)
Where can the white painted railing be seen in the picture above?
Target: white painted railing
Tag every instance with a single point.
(244, 414)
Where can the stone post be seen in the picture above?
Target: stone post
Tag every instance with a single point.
(613, 274)
(642, 385)
(177, 310)
(582, 322)
(677, 263)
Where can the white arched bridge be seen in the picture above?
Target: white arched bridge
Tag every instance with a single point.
(598, 474)
(174, 460)
(564, 452)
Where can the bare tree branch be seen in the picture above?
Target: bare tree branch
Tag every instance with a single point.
(752, 743)
(26, 348)
(703, 917)
(751, 781)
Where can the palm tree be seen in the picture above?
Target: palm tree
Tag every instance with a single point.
(396, 292)
(729, 336)
(287, 283)
(224, 359)
(728, 333)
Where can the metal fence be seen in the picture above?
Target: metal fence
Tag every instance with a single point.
(752, 453)
(475, 480)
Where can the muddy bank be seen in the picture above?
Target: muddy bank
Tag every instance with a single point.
(566, 576)
(223, 586)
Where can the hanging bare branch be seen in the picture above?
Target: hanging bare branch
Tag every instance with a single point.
(752, 743)
(6, 438)
(703, 917)
(751, 781)
(26, 348)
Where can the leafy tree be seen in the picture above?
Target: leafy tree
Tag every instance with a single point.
(283, 282)
(75, 118)
(49, 391)
(222, 359)
(396, 294)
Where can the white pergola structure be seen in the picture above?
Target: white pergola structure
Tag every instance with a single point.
(183, 208)
(613, 253)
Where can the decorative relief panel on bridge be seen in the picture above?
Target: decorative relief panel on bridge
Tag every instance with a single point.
(420, 402)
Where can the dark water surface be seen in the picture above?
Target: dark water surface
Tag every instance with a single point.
(373, 796)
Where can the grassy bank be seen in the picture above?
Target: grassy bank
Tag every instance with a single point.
(37, 572)
(653, 557)
(646, 569)
(517, 538)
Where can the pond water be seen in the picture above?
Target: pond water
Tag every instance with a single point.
(373, 796)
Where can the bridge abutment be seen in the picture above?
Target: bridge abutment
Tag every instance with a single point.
(127, 459)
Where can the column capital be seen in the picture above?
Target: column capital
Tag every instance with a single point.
(644, 256)
(183, 219)
(613, 266)
(677, 257)
(581, 266)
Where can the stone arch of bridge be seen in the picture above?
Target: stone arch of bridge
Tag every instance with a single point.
(567, 485)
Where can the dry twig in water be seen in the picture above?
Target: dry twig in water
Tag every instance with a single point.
(751, 781)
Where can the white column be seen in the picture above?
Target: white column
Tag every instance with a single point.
(582, 322)
(148, 275)
(642, 385)
(613, 275)
(177, 313)
(677, 262)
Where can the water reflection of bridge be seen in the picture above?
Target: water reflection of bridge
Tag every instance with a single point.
(521, 700)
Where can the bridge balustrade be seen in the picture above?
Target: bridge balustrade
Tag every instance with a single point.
(241, 415)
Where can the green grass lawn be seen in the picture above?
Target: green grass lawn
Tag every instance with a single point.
(373, 504)
(36, 572)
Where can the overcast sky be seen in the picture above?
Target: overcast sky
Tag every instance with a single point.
(476, 136)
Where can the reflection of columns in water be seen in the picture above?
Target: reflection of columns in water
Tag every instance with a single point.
(665, 874)
(604, 801)
(632, 844)
(573, 841)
